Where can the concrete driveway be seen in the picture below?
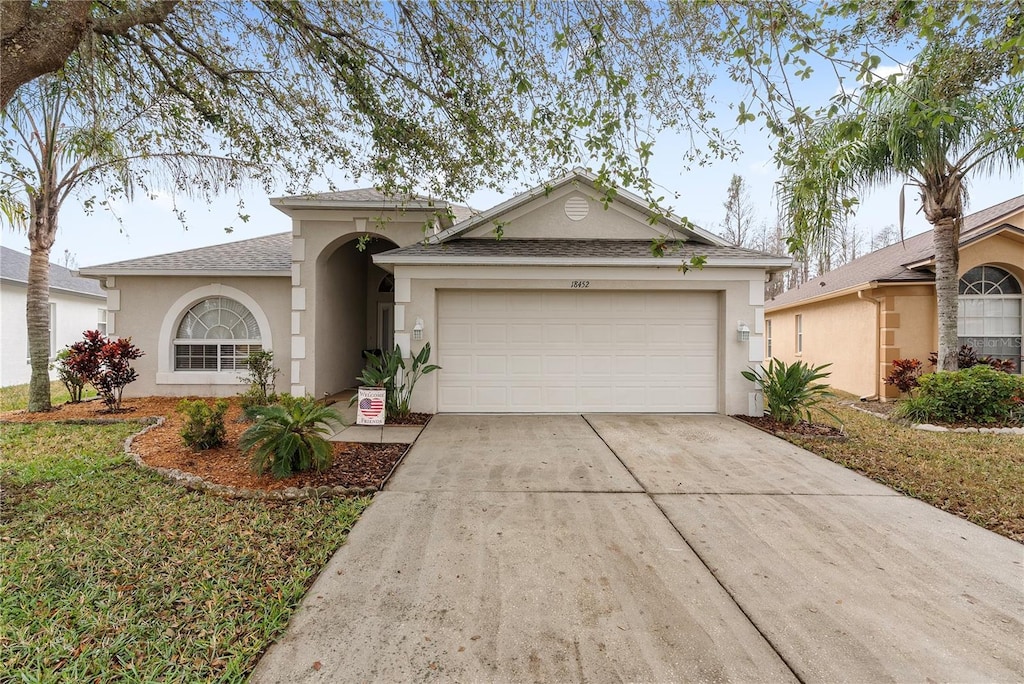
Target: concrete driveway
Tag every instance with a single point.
(650, 548)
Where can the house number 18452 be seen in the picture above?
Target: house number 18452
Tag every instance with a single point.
(579, 284)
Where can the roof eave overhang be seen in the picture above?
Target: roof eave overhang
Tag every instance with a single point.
(100, 272)
(656, 262)
(995, 230)
(854, 289)
(56, 288)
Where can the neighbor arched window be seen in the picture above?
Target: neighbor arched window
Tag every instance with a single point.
(216, 334)
(990, 313)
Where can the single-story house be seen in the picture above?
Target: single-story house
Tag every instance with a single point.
(567, 312)
(76, 305)
(881, 307)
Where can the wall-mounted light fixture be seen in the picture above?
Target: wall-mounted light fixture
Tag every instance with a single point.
(417, 330)
(742, 332)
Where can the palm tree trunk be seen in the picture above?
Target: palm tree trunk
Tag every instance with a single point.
(947, 263)
(41, 234)
(946, 210)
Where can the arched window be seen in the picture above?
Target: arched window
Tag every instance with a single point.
(387, 284)
(216, 334)
(990, 313)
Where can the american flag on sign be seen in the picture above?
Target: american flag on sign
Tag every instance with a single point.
(371, 408)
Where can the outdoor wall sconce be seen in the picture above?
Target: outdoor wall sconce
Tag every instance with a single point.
(742, 332)
(417, 330)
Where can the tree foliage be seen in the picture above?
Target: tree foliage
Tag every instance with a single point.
(934, 128)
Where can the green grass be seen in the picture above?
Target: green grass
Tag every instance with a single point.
(110, 573)
(978, 477)
(15, 397)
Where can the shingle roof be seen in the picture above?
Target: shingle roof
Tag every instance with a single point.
(889, 264)
(14, 267)
(268, 254)
(490, 248)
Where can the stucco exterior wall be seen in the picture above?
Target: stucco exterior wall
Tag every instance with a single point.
(1003, 251)
(143, 307)
(840, 331)
(74, 315)
(741, 299)
(316, 235)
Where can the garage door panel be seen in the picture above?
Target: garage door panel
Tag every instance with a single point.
(559, 364)
(577, 351)
(525, 365)
(524, 332)
(490, 397)
(456, 364)
(600, 366)
(454, 333)
(595, 334)
(492, 365)
(556, 333)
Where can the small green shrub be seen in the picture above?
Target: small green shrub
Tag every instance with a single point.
(917, 409)
(979, 394)
(72, 381)
(260, 375)
(204, 424)
(288, 437)
(790, 391)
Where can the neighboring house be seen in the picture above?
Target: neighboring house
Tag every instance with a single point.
(567, 312)
(76, 305)
(881, 307)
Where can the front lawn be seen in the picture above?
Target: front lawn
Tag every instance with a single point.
(976, 476)
(111, 573)
(15, 397)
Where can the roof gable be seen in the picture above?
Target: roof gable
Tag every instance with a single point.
(546, 212)
(568, 213)
(14, 268)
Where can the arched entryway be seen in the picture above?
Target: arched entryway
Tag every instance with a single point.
(354, 310)
(990, 319)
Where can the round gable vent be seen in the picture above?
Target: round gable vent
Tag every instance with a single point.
(576, 208)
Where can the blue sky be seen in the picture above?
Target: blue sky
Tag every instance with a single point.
(149, 227)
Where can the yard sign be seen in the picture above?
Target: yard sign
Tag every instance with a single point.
(371, 406)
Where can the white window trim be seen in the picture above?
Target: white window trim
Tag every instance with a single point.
(799, 334)
(166, 375)
(768, 338)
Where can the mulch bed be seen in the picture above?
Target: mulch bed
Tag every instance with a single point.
(354, 465)
(803, 428)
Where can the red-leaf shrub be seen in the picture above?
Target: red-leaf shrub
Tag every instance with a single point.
(105, 363)
(904, 374)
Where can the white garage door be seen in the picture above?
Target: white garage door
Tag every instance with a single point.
(575, 351)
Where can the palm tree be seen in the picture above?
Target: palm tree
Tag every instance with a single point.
(932, 130)
(67, 137)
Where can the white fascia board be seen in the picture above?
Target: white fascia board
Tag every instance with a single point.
(286, 204)
(766, 262)
(76, 293)
(91, 273)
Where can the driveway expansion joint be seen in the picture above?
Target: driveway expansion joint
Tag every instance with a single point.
(732, 597)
